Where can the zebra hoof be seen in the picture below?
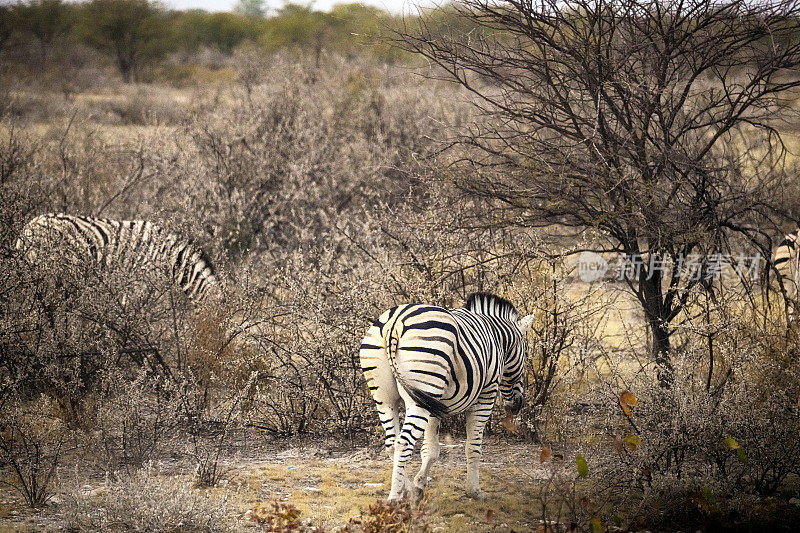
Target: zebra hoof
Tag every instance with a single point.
(476, 494)
(395, 497)
(416, 494)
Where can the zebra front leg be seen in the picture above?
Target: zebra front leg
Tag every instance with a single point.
(430, 452)
(477, 416)
(413, 427)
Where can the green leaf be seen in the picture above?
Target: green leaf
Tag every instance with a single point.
(583, 468)
(708, 497)
(597, 525)
(741, 455)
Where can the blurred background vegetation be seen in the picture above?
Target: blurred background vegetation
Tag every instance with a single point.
(147, 42)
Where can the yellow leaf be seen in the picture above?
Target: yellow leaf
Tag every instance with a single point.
(546, 453)
(597, 525)
(741, 456)
(731, 443)
(583, 468)
(625, 408)
(628, 398)
(633, 441)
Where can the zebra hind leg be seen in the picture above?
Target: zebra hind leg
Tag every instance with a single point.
(477, 416)
(382, 384)
(414, 424)
(430, 452)
(389, 415)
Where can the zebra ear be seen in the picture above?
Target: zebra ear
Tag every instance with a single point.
(524, 323)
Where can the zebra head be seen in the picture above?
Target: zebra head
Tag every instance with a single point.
(511, 383)
(514, 346)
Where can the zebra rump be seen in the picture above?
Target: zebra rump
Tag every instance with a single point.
(124, 244)
(480, 303)
(433, 405)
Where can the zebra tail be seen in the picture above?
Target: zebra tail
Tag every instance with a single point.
(432, 405)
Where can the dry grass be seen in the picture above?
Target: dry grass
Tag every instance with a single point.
(329, 487)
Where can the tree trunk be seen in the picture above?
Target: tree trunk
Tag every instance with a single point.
(657, 315)
(661, 353)
(126, 68)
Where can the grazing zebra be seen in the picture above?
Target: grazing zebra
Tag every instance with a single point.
(785, 259)
(442, 362)
(124, 244)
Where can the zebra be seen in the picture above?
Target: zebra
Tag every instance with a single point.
(442, 362)
(786, 262)
(126, 244)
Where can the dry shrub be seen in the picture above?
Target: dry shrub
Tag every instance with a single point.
(281, 517)
(211, 428)
(210, 353)
(33, 440)
(694, 456)
(137, 418)
(146, 501)
(396, 516)
(140, 107)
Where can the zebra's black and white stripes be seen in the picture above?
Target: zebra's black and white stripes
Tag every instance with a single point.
(125, 244)
(441, 362)
(786, 263)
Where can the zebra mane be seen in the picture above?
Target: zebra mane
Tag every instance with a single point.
(484, 303)
(791, 239)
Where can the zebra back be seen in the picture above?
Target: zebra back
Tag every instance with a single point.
(125, 244)
(510, 331)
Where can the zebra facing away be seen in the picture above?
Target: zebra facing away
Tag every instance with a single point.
(442, 362)
(786, 261)
(126, 244)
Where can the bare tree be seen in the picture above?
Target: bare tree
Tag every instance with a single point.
(654, 124)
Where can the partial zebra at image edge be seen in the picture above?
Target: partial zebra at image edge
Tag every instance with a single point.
(127, 244)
